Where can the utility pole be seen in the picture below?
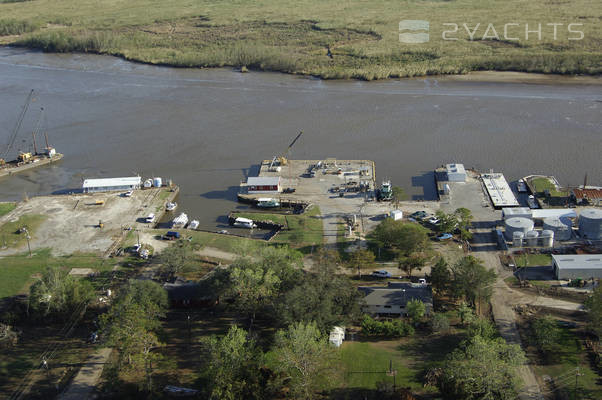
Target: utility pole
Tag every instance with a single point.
(27, 237)
(577, 374)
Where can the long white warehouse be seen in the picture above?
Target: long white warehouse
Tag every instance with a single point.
(111, 184)
(573, 266)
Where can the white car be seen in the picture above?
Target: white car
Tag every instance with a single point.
(381, 274)
(433, 220)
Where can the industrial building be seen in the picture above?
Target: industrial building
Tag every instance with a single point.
(584, 266)
(499, 191)
(263, 184)
(539, 213)
(455, 172)
(590, 224)
(589, 196)
(111, 184)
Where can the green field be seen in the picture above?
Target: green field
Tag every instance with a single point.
(18, 271)
(294, 36)
(10, 232)
(5, 208)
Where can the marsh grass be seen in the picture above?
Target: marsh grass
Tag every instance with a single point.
(296, 36)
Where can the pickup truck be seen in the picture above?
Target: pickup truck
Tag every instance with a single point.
(171, 235)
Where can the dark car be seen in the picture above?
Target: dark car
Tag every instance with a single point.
(171, 235)
(289, 190)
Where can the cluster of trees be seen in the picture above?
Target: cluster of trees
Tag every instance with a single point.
(299, 359)
(395, 328)
(460, 219)
(409, 242)
(57, 295)
(132, 324)
(484, 366)
(467, 279)
(594, 307)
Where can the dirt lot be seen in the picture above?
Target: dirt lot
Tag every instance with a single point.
(72, 221)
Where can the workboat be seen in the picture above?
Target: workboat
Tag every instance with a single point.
(244, 223)
(522, 186)
(385, 193)
(267, 202)
(532, 202)
(171, 206)
(194, 224)
(180, 221)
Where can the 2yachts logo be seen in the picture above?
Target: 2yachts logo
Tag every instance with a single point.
(511, 31)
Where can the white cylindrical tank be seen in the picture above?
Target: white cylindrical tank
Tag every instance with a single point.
(517, 239)
(590, 224)
(561, 226)
(148, 183)
(157, 182)
(517, 224)
(547, 238)
(531, 238)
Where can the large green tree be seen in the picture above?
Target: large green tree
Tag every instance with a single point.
(233, 366)
(440, 277)
(402, 237)
(472, 280)
(361, 259)
(177, 257)
(304, 357)
(56, 294)
(482, 369)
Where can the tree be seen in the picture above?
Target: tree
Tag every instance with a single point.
(464, 217)
(481, 327)
(484, 369)
(415, 309)
(398, 195)
(440, 277)
(361, 259)
(57, 294)
(233, 371)
(465, 313)
(439, 323)
(593, 304)
(177, 257)
(253, 288)
(303, 356)
(404, 238)
(546, 334)
(413, 262)
(472, 280)
(447, 222)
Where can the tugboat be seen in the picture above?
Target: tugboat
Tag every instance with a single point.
(385, 193)
(180, 221)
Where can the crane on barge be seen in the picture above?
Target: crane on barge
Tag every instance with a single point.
(15, 131)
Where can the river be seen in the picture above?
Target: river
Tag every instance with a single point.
(206, 129)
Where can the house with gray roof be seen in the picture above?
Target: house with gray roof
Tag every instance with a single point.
(391, 300)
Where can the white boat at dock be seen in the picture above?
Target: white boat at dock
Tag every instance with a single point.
(171, 206)
(194, 224)
(267, 202)
(244, 223)
(180, 221)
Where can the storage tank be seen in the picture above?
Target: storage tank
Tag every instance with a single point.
(531, 238)
(157, 182)
(517, 239)
(148, 183)
(547, 238)
(517, 224)
(561, 226)
(590, 224)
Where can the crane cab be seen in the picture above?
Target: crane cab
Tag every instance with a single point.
(24, 157)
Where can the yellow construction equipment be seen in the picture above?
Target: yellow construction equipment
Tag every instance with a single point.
(23, 157)
(99, 202)
(2, 162)
(282, 159)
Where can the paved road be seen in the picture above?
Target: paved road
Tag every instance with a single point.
(86, 379)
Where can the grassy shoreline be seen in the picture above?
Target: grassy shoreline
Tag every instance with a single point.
(295, 37)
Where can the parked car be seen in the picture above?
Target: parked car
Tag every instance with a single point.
(444, 236)
(433, 220)
(418, 214)
(289, 190)
(381, 274)
(171, 235)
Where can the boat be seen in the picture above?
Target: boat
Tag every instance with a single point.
(171, 206)
(522, 186)
(244, 223)
(150, 219)
(532, 202)
(194, 224)
(180, 221)
(267, 202)
(385, 193)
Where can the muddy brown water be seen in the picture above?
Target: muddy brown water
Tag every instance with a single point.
(206, 129)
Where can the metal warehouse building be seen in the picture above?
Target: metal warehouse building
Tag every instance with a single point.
(264, 184)
(585, 266)
(110, 184)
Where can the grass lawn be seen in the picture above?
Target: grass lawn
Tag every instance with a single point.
(227, 243)
(541, 184)
(5, 208)
(534, 260)
(294, 36)
(304, 230)
(17, 272)
(569, 355)
(10, 235)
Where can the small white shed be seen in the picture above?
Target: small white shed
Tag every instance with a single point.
(337, 336)
(396, 215)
